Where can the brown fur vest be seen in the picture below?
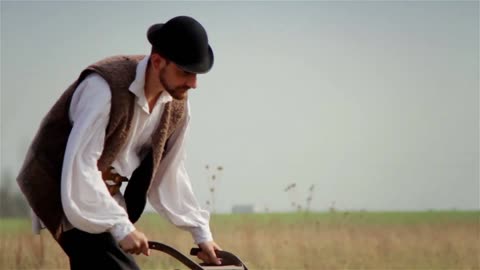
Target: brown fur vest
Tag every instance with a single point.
(40, 175)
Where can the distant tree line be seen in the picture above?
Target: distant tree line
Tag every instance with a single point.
(12, 202)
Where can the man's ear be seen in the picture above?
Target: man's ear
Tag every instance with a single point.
(157, 61)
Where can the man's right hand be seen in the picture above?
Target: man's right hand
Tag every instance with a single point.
(136, 242)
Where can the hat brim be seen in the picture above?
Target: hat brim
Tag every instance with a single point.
(199, 68)
(152, 31)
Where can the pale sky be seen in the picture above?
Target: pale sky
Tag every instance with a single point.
(374, 103)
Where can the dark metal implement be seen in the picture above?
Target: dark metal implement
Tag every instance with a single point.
(229, 260)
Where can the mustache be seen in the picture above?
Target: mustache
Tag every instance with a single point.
(182, 88)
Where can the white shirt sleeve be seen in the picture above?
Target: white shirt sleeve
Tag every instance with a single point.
(86, 201)
(171, 193)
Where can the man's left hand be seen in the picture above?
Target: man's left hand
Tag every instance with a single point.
(207, 253)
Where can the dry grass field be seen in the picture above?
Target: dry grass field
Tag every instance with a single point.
(338, 240)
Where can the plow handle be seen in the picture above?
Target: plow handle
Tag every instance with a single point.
(227, 258)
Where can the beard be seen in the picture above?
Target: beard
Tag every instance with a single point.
(177, 92)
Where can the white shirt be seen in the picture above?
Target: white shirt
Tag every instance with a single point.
(86, 201)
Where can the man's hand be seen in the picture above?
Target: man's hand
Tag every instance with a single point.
(136, 242)
(207, 253)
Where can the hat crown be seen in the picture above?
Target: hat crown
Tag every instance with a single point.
(182, 40)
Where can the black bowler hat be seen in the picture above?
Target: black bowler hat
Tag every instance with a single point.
(184, 41)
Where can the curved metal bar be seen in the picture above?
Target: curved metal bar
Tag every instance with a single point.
(174, 253)
(227, 258)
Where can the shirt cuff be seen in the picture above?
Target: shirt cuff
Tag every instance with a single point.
(120, 230)
(201, 234)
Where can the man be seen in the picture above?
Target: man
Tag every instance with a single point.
(124, 119)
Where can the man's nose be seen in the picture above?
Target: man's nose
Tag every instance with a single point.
(192, 81)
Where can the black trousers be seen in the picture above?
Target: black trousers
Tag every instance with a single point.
(95, 251)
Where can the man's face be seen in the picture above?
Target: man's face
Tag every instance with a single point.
(176, 81)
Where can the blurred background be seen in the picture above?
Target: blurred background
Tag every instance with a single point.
(360, 105)
(340, 134)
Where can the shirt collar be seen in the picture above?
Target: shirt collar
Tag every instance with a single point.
(138, 87)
